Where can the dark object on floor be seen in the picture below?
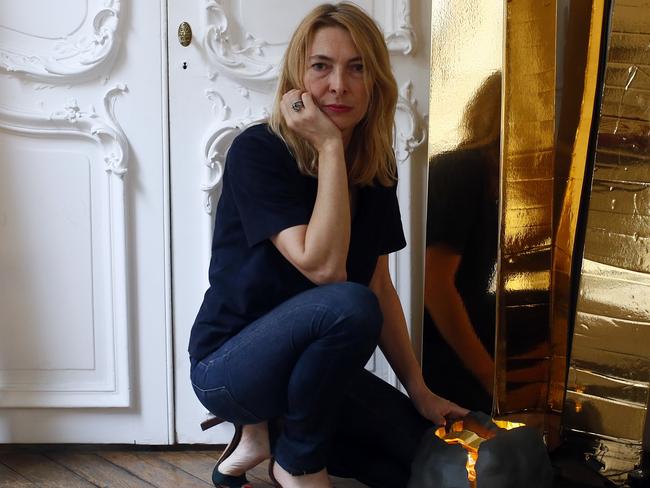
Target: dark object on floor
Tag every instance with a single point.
(506, 458)
(512, 459)
(438, 464)
(639, 479)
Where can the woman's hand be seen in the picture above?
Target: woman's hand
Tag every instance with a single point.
(310, 122)
(435, 408)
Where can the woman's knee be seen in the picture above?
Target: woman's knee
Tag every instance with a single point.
(359, 308)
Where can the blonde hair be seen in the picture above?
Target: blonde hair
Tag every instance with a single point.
(370, 152)
(482, 116)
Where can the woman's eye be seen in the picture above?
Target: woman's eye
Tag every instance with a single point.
(319, 66)
(358, 67)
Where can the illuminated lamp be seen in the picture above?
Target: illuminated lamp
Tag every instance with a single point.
(477, 452)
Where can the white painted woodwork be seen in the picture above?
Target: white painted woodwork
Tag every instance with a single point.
(83, 249)
(85, 200)
(227, 84)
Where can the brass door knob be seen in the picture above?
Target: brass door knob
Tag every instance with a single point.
(184, 34)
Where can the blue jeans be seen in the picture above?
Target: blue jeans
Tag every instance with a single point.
(294, 363)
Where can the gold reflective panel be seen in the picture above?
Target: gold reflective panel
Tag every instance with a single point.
(581, 44)
(462, 210)
(609, 376)
(528, 185)
(551, 69)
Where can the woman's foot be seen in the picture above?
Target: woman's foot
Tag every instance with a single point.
(253, 448)
(286, 480)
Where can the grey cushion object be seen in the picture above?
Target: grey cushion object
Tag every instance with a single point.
(512, 459)
(506, 459)
(438, 464)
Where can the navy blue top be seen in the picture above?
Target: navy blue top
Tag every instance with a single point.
(263, 194)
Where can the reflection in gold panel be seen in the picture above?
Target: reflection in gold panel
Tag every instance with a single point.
(609, 378)
(550, 76)
(466, 48)
(462, 207)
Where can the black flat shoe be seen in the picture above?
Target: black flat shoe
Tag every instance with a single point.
(221, 480)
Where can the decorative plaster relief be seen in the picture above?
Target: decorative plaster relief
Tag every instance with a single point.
(216, 148)
(74, 56)
(401, 37)
(71, 120)
(105, 387)
(254, 62)
(410, 132)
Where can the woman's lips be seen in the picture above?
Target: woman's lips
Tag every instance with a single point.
(338, 108)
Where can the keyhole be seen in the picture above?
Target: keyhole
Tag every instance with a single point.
(184, 65)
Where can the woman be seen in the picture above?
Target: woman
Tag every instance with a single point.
(461, 252)
(300, 293)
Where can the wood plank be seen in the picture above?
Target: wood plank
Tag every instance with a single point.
(8, 477)
(194, 463)
(97, 470)
(201, 464)
(41, 470)
(61, 467)
(147, 466)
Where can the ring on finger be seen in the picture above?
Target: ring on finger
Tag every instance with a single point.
(297, 106)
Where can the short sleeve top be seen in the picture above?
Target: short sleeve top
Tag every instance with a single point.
(264, 193)
(462, 215)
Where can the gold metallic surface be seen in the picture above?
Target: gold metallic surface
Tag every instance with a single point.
(550, 76)
(523, 286)
(465, 107)
(466, 48)
(579, 75)
(609, 380)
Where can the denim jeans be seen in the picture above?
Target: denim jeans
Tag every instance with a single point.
(294, 363)
(377, 434)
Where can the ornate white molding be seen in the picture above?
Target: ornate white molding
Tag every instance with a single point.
(216, 148)
(71, 120)
(401, 38)
(219, 107)
(254, 62)
(108, 385)
(77, 55)
(410, 129)
(245, 59)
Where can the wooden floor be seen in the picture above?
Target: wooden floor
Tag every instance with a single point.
(123, 467)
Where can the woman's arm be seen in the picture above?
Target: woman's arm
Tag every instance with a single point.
(395, 343)
(319, 249)
(445, 305)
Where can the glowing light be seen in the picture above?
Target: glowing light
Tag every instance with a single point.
(505, 424)
(470, 441)
(470, 466)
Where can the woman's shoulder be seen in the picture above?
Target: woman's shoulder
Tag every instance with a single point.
(259, 151)
(258, 137)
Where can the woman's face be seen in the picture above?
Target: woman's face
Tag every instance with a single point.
(335, 78)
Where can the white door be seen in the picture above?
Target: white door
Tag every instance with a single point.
(83, 249)
(224, 81)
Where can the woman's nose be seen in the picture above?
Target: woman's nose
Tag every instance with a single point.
(338, 81)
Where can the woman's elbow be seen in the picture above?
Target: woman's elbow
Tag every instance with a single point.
(328, 276)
